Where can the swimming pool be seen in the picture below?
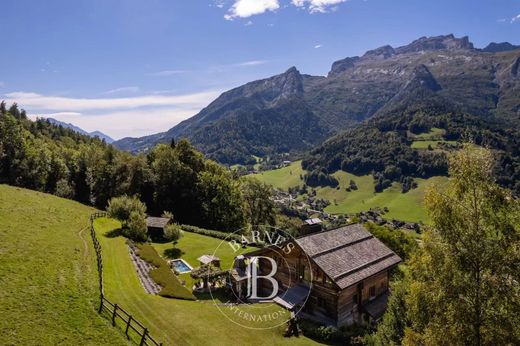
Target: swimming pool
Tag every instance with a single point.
(181, 266)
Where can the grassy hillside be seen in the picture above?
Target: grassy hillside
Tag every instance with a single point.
(48, 274)
(407, 206)
(172, 321)
(283, 178)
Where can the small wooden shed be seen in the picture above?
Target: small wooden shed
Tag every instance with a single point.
(156, 226)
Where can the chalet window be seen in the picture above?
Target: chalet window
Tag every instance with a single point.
(354, 299)
(321, 302)
(372, 291)
(383, 286)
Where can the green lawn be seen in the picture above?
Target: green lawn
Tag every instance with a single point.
(434, 133)
(48, 276)
(424, 144)
(192, 245)
(404, 206)
(408, 206)
(283, 178)
(172, 321)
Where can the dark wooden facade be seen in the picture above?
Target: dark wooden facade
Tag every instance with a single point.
(345, 269)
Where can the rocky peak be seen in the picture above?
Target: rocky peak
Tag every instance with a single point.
(448, 42)
(380, 53)
(288, 83)
(494, 47)
(342, 65)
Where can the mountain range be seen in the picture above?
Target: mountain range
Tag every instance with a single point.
(294, 112)
(75, 128)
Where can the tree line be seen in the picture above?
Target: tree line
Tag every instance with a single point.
(42, 156)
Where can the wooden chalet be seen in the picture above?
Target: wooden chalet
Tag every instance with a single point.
(346, 271)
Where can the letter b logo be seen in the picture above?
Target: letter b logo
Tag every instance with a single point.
(253, 276)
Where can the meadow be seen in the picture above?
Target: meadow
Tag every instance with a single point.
(404, 206)
(48, 276)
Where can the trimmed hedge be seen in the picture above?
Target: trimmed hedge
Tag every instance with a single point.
(162, 275)
(212, 233)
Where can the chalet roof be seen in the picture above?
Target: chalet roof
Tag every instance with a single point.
(157, 222)
(206, 259)
(348, 254)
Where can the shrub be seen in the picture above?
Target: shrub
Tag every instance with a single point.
(121, 208)
(135, 228)
(211, 233)
(172, 232)
(347, 335)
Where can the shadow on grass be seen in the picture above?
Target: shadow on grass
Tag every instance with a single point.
(114, 233)
(173, 253)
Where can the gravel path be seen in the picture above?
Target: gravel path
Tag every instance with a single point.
(143, 272)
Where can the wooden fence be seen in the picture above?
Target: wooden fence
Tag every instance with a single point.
(118, 316)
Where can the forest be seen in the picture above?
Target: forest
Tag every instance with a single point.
(382, 147)
(175, 177)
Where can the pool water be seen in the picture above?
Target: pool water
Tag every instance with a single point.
(181, 266)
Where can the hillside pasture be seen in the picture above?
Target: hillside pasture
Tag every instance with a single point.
(48, 276)
(404, 206)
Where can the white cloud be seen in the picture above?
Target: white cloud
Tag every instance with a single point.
(249, 23)
(118, 117)
(57, 103)
(317, 46)
(219, 3)
(252, 63)
(167, 73)
(130, 123)
(129, 89)
(248, 8)
(317, 6)
(514, 19)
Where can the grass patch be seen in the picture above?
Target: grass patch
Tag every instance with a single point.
(48, 274)
(283, 178)
(434, 134)
(425, 144)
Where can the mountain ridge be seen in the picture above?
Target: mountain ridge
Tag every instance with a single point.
(75, 128)
(444, 69)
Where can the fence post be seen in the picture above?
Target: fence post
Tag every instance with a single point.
(114, 315)
(143, 338)
(101, 303)
(128, 325)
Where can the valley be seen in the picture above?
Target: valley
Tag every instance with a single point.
(402, 206)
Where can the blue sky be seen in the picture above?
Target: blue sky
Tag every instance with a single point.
(136, 67)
